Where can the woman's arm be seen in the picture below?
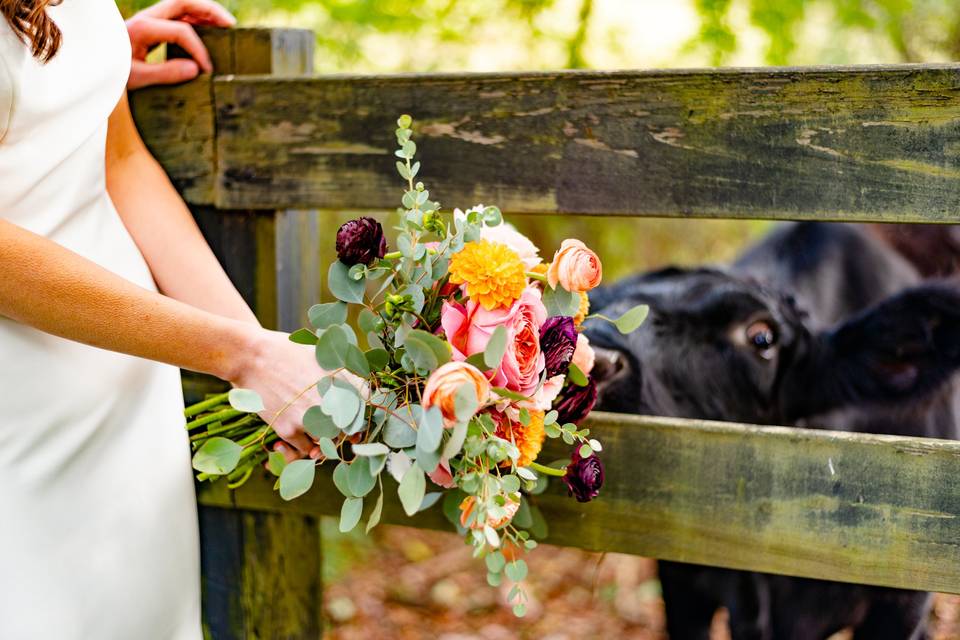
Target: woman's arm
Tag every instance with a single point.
(48, 287)
(182, 264)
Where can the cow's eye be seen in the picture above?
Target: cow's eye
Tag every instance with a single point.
(761, 336)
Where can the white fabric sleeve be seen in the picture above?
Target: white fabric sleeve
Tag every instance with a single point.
(6, 97)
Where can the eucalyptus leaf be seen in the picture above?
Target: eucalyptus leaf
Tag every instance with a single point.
(359, 479)
(398, 433)
(376, 513)
(332, 348)
(560, 302)
(342, 403)
(371, 449)
(411, 490)
(427, 350)
(245, 400)
(350, 514)
(217, 456)
(303, 336)
(465, 402)
(496, 347)
(367, 320)
(455, 443)
(377, 359)
(510, 395)
(329, 449)
(318, 424)
(297, 478)
(516, 571)
(340, 479)
(342, 286)
(356, 361)
(576, 376)
(326, 315)
(430, 430)
(632, 319)
(276, 462)
(430, 499)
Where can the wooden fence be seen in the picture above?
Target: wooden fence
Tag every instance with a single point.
(259, 149)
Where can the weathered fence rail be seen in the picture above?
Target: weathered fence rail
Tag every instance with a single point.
(254, 154)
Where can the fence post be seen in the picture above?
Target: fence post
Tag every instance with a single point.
(261, 571)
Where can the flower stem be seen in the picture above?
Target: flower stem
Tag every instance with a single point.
(393, 255)
(209, 403)
(536, 276)
(548, 471)
(220, 416)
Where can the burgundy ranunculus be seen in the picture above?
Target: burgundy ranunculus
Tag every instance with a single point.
(558, 341)
(360, 241)
(584, 476)
(575, 402)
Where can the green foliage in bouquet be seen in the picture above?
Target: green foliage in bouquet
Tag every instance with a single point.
(468, 356)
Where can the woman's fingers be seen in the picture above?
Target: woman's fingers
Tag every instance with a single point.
(199, 12)
(146, 32)
(144, 74)
(289, 453)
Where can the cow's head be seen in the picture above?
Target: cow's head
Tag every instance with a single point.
(719, 346)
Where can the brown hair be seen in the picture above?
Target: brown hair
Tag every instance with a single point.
(29, 20)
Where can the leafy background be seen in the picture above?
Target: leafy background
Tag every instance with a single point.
(414, 584)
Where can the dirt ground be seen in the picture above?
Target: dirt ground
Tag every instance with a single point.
(409, 584)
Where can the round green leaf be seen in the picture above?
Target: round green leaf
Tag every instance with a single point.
(632, 319)
(430, 430)
(328, 449)
(318, 424)
(325, 315)
(496, 347)
(342, 286)
(245, 400)
(342, 403)
(398, 433)
(297, 478)
(350, 514)
(341, 479)
(359, 479)
(411, 490)
(371, 449)
(332, 348)
(217, 456)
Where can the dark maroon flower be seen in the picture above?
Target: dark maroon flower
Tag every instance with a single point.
(360, 241)
(575, 402)
(558, 341)
(584, 476)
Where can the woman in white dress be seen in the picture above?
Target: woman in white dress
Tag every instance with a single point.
(106, 286)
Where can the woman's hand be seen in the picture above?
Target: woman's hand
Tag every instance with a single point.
(285, 375)
(169, 21)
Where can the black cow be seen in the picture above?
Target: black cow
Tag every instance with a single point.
(818, 324)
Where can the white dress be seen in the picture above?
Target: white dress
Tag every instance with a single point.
(98, 525)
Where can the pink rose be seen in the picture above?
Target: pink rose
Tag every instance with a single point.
(583, 355)
(575, 267)
(468, 329)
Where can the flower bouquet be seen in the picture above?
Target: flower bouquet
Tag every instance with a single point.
(468, 356)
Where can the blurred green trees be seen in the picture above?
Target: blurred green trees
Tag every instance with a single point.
(376, 36)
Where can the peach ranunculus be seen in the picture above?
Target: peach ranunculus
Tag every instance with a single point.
(583, 355)
(466, 508)
(468, 329)
(575, 267)
(443, 384)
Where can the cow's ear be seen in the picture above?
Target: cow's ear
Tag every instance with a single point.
(904, 347)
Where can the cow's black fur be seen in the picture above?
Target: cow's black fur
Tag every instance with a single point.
(861, 344)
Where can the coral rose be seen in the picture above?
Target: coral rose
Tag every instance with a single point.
(443, 384)
(468, 329)
(575, 267)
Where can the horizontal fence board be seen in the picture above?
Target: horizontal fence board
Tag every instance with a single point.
(845, 143)
(864, 508)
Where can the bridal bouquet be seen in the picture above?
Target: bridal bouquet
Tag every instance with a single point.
(468, 356)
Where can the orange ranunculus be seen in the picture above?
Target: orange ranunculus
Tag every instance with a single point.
(575, 267)
(443, 384)
(466, 508)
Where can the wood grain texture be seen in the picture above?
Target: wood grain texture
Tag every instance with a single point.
(261, 575)
(865, 143)
(863, 508)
